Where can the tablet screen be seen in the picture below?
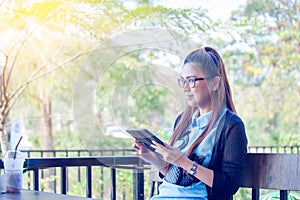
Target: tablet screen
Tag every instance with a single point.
(144, 137)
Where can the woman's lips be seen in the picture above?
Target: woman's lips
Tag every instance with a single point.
(189, 96)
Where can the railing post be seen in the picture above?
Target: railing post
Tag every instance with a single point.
(101, 183)
(36, 180)
(138, 183)
(78, 170)
(283, 194)
(89, 182)
(113, 183)
(255, 194)
(152, 189)
(64, 180)
(54, 186)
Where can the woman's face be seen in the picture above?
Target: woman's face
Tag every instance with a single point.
(198, 96)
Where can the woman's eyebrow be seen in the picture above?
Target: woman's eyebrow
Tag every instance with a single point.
(188, 77)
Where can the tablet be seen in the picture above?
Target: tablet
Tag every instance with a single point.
(144, 137)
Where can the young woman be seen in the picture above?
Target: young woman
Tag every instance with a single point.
(206, 154)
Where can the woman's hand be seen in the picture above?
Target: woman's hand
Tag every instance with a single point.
(170, 154)
(150, 157)
(143, 152)
(176, 157)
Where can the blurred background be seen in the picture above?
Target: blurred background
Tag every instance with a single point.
(44, 45)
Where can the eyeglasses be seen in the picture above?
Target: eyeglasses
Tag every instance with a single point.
(190, 81)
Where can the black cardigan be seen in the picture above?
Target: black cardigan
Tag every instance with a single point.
(228, 158)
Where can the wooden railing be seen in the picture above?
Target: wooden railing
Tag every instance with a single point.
(113, 162)
(275, 149)
(128, 151)
(76, 152)
(263, 171)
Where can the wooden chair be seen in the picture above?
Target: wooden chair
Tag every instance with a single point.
(272, 171)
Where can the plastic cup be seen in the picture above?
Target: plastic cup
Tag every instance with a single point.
(2, 184)
(13, 170)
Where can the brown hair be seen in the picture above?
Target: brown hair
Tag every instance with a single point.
(210, 63)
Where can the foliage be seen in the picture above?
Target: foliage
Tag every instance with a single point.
(75, 27)
(260, 46)
(187, 21)
(25, 46)
(76, 189)
(275, 195)
(264, 61)
(243, 194)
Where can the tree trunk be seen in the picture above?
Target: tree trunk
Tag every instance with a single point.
(46, 124)
(46, 139)
(3, 136)
(3, 132)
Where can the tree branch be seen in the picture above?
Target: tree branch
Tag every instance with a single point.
(3, 88)
(21, 43)
(1, 4)
(14, 96)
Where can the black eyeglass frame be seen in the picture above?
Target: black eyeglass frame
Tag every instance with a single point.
(191, 81)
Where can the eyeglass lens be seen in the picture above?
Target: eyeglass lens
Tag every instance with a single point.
(190, 81)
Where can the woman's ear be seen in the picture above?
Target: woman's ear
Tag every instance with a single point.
(215, 83)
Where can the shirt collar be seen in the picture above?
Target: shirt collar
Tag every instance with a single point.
(200, 121)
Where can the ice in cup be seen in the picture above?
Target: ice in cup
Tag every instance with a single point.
(13, 169)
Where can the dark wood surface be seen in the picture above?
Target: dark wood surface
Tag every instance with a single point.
(272, 171)
(37, 195)
(106, 161)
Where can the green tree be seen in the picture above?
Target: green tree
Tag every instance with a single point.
(271, 31)
(27, 53)
(44, 36)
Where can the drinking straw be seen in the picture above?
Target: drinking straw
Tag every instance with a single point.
(17, 147)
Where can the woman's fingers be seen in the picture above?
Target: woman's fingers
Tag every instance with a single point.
(169, 153)
(159, 146)
(136, 146)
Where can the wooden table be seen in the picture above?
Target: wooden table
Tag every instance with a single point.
(38, 195)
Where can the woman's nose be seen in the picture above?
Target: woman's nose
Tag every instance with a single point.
(186, 86)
